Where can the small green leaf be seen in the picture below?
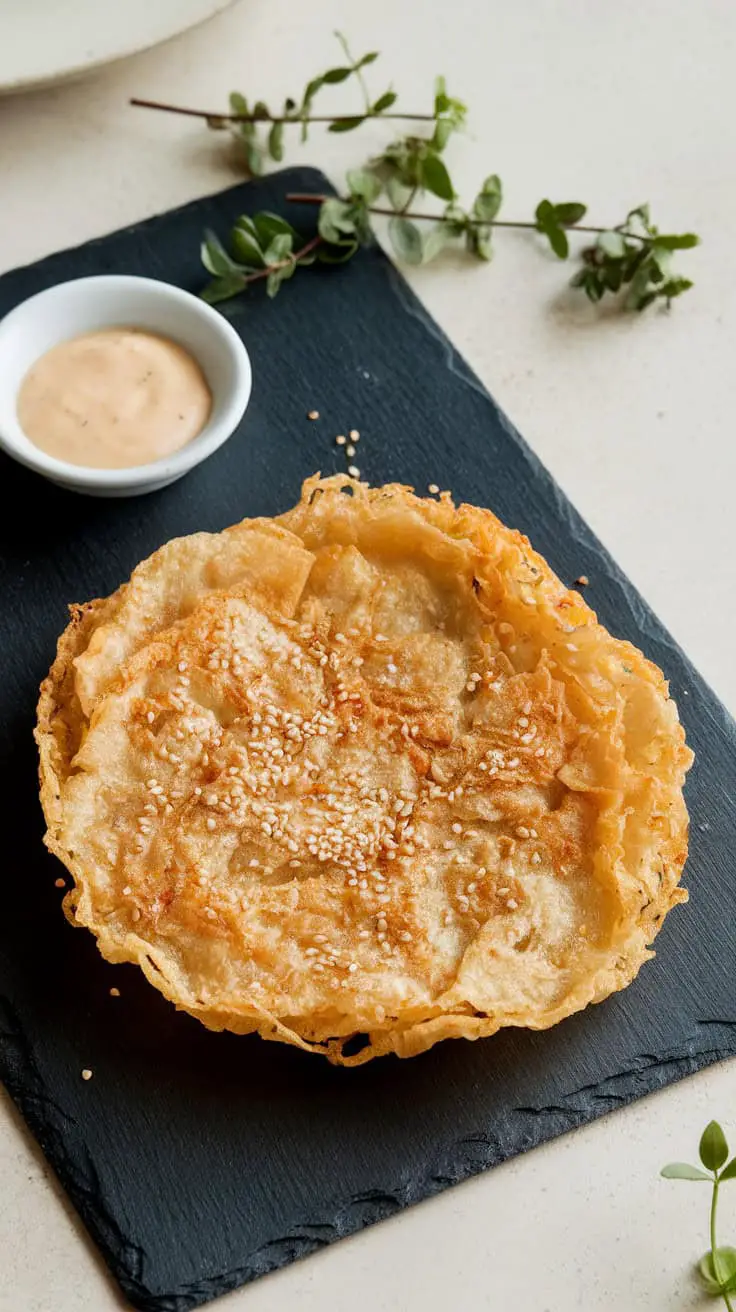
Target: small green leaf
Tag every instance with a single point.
(612, 275)
(335, 220)
(570, 211)
(443, 130)
(441, 98)
(729, 1172)
(260, 110)
(684, 242)
(278, 248)
(557, 238)
(456, 220)
(641, 212)
(216, 122)
(593, 287)
(713, 1147)
(337, 254)
(310, 92)
(436, 240)
(489, 199)
(725, 1280)
(479, 241)
(370, 58)
(675, 287)
(238, 103)
(289, 105)
(436, 178)
(683, 1171)
(254, 158)
(397, 193)
(266, 225)
(246, 246)
(612, 244)
(544, 214)
(273, 282)
(222, 289)
(364, 183)
(406, 239)
(346, 124)
(276, 141)
(334, 75)
(215, 258)
(385, 101)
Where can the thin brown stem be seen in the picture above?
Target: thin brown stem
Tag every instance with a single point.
(311, 245)
(270, 118)
(312, 198)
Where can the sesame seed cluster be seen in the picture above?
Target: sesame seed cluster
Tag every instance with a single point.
(335, 779)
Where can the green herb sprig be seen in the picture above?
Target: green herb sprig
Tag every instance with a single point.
(631, 261)
(717, 1267)
(260, 133)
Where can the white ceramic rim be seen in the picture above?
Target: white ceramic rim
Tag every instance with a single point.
(168, 467)
(137, 39)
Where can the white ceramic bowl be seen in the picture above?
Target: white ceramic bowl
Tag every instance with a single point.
(113, 301)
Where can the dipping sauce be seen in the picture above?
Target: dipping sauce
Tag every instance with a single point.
(114, 398)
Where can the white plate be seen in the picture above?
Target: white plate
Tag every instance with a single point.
(43, 41)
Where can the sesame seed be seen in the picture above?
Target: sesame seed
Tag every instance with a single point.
(512, 904)
(114, 993)
(571, 646)
(136, 914)
(211, 822)
(150, 716)
(457, 828)
(86, 1074)
(522, 832)
(353, 967)
(353, 471)
(355, 435)
(583, 580)
(364, 933)
(433, 488)
(127, 891)
(350, 450)
(60, 883)
(341, 440)
(536, 858)
(313, 414)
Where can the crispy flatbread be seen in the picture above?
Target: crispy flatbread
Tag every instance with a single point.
(362, 778)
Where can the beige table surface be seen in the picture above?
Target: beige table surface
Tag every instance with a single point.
(613, 104)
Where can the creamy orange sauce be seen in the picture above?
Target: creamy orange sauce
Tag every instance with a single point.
(114, 398)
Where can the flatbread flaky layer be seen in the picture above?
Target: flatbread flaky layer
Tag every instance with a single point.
(363, 777)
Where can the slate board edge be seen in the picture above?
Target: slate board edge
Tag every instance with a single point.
(472, 1155)
(42, 1117)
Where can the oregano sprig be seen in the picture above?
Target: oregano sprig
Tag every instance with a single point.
(631, 260)
(717, 1267)
(259, 132)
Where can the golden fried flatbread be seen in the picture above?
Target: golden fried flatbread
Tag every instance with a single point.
(362, 778)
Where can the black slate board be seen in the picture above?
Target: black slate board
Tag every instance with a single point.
(200, 1161)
